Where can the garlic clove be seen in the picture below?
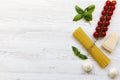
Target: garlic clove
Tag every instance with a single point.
(113, 72)
(87, 67)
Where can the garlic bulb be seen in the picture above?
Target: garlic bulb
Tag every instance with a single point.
(87, 67)
(113, 72)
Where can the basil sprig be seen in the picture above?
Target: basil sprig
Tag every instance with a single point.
(86, 14)
(77, 53)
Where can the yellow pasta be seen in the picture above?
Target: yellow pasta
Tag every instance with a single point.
(90, 46)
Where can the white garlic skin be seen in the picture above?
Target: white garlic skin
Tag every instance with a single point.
(87, 67)
(113, 72)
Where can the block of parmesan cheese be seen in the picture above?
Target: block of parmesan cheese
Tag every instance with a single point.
(111, 42)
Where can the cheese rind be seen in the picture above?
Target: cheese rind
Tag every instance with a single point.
(111, 42)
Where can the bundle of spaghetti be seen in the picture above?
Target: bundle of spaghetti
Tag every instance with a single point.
(91, 47)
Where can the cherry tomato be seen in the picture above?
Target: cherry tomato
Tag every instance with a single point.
(105, 28)
(113, 2)
(108, 2)
(101, 18)
(106, 7)
(108, 17)
(104, 12)
(112, 8)
(96, 34)
(100, 23)
(107, 23)
(103, 34)
(110, 13)
(98, 28)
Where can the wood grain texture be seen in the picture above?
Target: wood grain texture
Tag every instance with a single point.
(36, 39)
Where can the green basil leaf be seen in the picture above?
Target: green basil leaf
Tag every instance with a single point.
(77, 53)
(90, 8)
(77, 17)
(83, 56)
(75, 50)
(78, 9)
(87, 16)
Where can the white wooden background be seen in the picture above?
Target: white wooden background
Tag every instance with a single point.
(36, 39)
